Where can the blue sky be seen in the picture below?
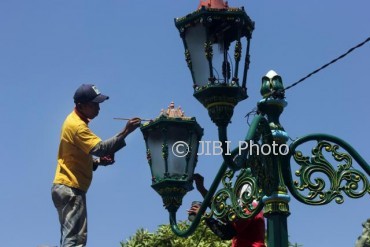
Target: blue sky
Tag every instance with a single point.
(132, 51)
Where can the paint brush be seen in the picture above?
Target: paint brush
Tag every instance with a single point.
(126, 119)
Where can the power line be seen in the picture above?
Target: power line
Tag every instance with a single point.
(280, 93)
(326, 65)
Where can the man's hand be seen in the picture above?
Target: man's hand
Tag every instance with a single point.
(194, 209)
(107, 160)
(131, 125)
(103, 161)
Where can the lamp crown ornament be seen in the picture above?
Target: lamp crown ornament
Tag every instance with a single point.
(214, 4)
(173, 112)
(272, 85)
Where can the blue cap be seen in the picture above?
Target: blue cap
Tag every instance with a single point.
(88, 93)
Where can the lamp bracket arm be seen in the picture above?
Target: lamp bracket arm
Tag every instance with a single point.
(228, 159)
(319, 180)
(207, 200)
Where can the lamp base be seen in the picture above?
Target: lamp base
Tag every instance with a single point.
(220, 101)
(172, 192)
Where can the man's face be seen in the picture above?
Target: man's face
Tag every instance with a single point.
(90, 109)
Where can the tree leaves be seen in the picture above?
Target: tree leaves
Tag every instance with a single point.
(164, 237)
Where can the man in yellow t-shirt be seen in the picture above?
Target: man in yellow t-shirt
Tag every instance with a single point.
(78, 145)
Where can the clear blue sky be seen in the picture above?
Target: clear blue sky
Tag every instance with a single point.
(132, 51)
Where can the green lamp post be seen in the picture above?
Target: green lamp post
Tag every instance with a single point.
(215, 27)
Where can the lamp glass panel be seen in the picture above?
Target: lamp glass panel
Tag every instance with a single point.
(217, 61)
(176, 164)
(194, 143)
(155, 142)
(195, 38)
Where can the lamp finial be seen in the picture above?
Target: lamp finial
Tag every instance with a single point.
(173, 112)
(214, 4)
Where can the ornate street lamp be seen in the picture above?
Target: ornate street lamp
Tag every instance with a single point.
(172, 141)
(209, 34)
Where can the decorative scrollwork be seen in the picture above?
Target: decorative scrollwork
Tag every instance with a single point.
(238, 51)
(232, 202)
(320, 179)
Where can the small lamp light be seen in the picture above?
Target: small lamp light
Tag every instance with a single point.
(172, 141)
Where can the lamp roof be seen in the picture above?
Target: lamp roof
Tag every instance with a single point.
(172, 116)
(217, 15)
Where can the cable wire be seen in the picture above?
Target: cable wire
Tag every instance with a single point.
(322, 67)
(281, 93)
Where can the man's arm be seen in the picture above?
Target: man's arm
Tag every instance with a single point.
(115, 143)
(108, 146)
(199, 184)
(225, 231)
(105, 149)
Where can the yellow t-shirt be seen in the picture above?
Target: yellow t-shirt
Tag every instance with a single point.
(75, 164)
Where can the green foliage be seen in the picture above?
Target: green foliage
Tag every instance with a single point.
(164, 237)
